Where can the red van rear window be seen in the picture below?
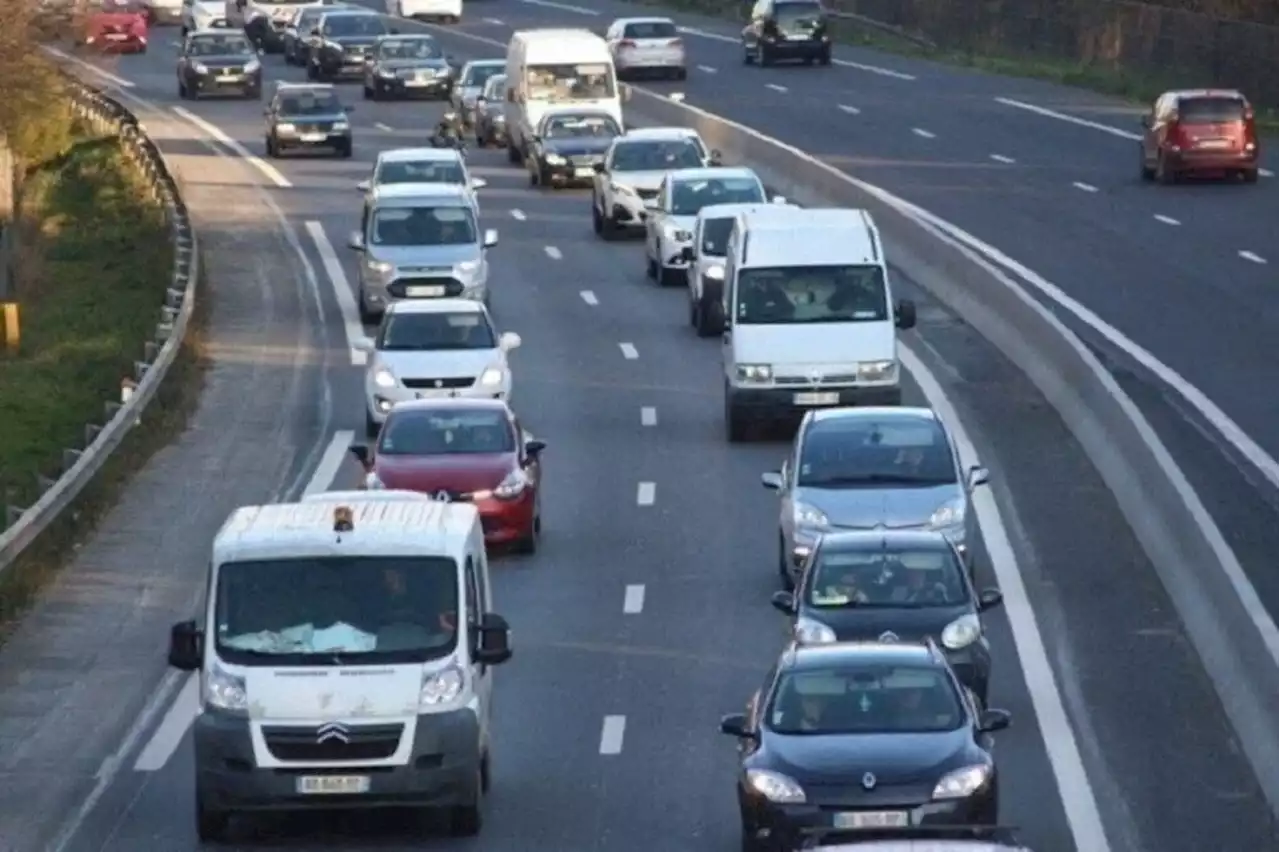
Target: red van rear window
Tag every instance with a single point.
(1210, 110)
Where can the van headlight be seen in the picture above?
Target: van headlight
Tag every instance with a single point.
(468, 266)
(714, 273)
(810, 632)
(225, 691)
(962, 632)
(199, 68)
(492, 376)
(809, 517)
(949, 514)
(775, 786)
(677, 234)
(877, 371)
(755, 372)
(441, 687)
(380, 267)
(341, 125)
(963, 782)
(384, 378)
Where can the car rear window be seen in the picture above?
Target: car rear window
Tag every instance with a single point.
(1206, 110)
(798, 12)
(650, 29)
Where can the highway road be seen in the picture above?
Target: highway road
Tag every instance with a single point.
(645, 616)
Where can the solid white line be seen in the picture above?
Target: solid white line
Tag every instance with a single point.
(922, 133)
(633, 600)
(1001, 158)
(629, 351)
(553, 252)
(330, 463)
(849, 110)
(873, 69)
(341, 291)
(172, 728)
(646, 493)
(518, 215)
(1084, 187)
(563, 7)
(383, 127)
(776, 87)
(494, 22)
(589, 297)
(693, 31)
(648, 415)
(706, 69)
(611, 734)
(1168, 220)
(1251, 257)
(90, 67)
(1070, 119)
(267, 170)
(1075, 791)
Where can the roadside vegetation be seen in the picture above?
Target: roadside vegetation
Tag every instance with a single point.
(1011, 59)
(89, 260)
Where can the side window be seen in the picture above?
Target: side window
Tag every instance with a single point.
(473, 591)
(482, 584)
(662, 194)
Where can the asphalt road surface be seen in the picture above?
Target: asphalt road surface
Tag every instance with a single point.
(641, 620)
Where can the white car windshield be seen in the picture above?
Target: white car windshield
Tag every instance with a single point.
(893, 576)
(336, 610)
(570, 82)
(423, 226)
(811, 294)
(421, 171)
(455, 330)
(865, 699)
(690, 196)
(451, 432)
(656, 156)
(354, 26)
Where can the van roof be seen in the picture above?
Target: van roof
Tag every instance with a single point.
(379, 528)
(810, 237)
(709, 172)
(563, 36)
(414, 191)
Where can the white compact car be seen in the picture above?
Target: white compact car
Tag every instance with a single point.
(668, 224)
(420, 165)
(435, 348)
(627, 181)
(647, 46)
(439, 11)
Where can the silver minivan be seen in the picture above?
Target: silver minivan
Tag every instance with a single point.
(421, 241)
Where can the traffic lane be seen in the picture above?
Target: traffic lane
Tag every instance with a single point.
(1143, 712)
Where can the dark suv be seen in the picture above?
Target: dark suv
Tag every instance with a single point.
(787, 29)
(307, 117)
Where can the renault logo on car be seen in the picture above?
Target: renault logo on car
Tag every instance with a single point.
(888, 636)
(815, 377)
(442, 496)
(332, 732)
(868, 781)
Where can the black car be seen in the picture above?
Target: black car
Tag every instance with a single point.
(307, 117)
(892, 585)
(491, 113)
(404, 66)
(297, 32)
(862, 736)
(567, 145)
(221, 62)
(935, 838)
(341, 43)
(787, 29)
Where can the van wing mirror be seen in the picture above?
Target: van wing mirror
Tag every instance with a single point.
(186, 646)
(492, 640)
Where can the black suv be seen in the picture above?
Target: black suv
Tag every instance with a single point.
(307, 117)
(787, 29)
(341, 43)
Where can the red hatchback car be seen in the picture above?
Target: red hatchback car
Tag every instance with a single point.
(471, 450)
(114, 26)
(1199, 132)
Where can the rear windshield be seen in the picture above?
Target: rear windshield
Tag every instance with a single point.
(798, 12)
(650, 29)
(1208, 110)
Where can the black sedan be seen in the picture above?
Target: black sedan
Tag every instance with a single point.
(218, 62)
(567, 146)
(869, 736)
(341, 43)
(891, 585)
(404, 66)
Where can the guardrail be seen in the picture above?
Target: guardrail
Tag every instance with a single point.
(24, 524)
(1194, 563)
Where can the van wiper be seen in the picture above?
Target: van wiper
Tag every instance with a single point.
(869, 479)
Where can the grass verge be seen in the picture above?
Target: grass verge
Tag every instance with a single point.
(1132, 86)
(93, 262)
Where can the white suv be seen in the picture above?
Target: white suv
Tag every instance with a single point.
(435, 348)
(627, 180)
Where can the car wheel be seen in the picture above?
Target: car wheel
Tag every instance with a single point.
(707, 311)
(212, 825)
(467, 820)
(182, 91)
(824, 58)
(735, 424)
(669, 277)
(343, 150)
(367, 317)
(513, 156)
(273, 150)
(784, 570)
(695, 312)
(1147, 173)
(650, 266)
(1164, 174)
(1249, 175)
(762, 56)
(527, 544)
(748, 58)
(367, 92)
(597, 221)
(371, 426)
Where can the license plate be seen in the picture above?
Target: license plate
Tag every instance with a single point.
(423, 292)
(584, 171)
(872, 819)
(831, 398)
(417, 83)
(333, 785)
(312, 137)
(228, 77)
(798, 37)
(1215, 143)
(116, 36)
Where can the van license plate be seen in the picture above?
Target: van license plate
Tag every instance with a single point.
(872, 819)
(333, 785)
(828, 398)
(423, 292)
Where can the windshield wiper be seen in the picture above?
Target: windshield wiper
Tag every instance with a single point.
(867, 479)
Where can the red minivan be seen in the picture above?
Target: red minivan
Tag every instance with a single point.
(1199, 132)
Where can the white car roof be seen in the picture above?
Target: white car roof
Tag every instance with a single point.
(434, 191)
(500, 63)
(712, 172)
(436, 306)
(655, 20)
(418, 155)
(641, 133)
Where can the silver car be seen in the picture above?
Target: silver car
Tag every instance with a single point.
(470, 86)
(869, 468)
(421, 241)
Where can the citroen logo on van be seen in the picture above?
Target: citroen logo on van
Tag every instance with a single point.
(439, 383)
(888, 636)
(442, 496)
(868, 781)
(332, 732)
(815, 377)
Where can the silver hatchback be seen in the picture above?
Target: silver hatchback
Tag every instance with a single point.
(870, 468)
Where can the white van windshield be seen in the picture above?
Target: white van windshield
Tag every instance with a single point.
(336, 610)
(811, 294)
(570, 82)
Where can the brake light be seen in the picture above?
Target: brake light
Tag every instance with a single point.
(1248, 115)
(626, 42)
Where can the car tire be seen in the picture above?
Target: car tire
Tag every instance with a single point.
(735, 424)
(366, 92)
(824, 58)
(695, 310)
(527, 545)
(1147, 173)
(367, 317)
(749, 843)
(763, 58)
(748, 58)
(513, 156)
(1249, 175)
(182, 91)
(212, 825)
(682, 74)
(273, 149)
(343, 151)
(650, 266)
(706, 326)
(467, 820)
(1164, 174)
(669, 277)
(371, 427)
(597, 220)
(784, 570)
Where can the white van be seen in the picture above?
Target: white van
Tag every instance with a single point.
(264, 21)
(809, 316)
(345, 658)
(557, 68)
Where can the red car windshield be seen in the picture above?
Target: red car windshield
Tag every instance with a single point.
(449, 432)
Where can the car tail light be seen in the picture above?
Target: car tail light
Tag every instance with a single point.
(626, 42)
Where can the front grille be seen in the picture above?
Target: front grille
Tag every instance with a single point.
(647, 194)
(806, 381)
(320, 127)
(356, 50)
(301, 744)
(233, 69)
(399, 287)
(440, 384)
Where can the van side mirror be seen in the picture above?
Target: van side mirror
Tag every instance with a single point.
(493, 640)
(905, 314)
(355, 242)
(490, 238)
(771, 480)
(625, 91)
(315, 31)
(364, 185)
(361, 454)
(977, 475)
(784, 602)
(186, 646)
(716, 158)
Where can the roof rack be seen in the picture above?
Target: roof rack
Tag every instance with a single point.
(1001, 834)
